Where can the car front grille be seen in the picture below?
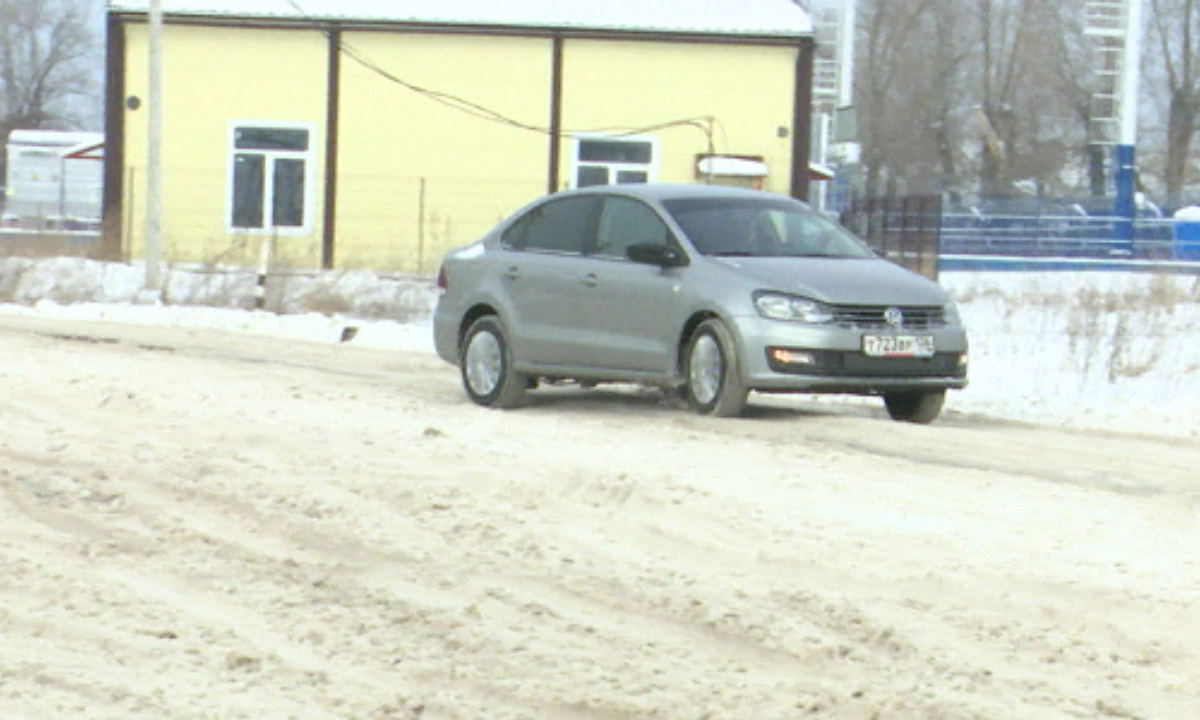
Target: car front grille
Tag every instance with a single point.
(872, 316)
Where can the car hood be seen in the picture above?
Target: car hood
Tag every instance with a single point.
(840, 281)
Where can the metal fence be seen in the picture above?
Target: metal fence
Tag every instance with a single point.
(385, 223)
(406, 224)
(922, 233)
(1054, 235)
(905, 230)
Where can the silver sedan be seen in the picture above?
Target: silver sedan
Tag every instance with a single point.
(714, 291)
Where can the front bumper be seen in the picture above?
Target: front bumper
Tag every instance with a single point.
(829, 358)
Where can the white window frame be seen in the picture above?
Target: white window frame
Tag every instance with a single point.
(651, 168)
(309, 157)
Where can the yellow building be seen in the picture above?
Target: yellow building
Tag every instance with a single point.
(377, 134)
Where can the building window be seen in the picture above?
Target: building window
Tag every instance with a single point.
(270, 177)
(609, 160)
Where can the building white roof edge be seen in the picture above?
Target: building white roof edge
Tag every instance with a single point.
(771, 18)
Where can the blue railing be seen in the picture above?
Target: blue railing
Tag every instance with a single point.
(1053, 235)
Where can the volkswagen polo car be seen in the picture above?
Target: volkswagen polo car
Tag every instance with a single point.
(716, 292)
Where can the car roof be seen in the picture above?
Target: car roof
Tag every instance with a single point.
(659, 192)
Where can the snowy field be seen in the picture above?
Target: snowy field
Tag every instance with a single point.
(1099, 350)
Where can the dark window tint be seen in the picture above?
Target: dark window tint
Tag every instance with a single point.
(625, 222)
(560, 226)
(288, 203)
(764, 227)
(248, 179)
(591, 175)
(615, 151)
(270, 139)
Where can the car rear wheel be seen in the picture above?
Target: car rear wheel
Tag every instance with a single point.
(714, 378)
(486, 366)
(915, 407)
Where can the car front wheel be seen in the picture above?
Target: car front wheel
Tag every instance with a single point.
(714, 378)
(915, 407)
(486, 366)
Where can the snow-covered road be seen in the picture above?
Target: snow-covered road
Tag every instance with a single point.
(198, 523)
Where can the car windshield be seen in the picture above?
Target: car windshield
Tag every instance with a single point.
(761, 227)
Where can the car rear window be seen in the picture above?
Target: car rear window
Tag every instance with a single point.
(556, 226)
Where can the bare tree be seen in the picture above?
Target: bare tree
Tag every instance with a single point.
(888, 29)
(985, 94)
(1176, 28)
(46, 50)
(937, 74)
(1023, 115)
(1074, 62)
(1003, 27)
(951, 54)
(939, 95)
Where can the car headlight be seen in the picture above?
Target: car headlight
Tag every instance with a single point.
(778, 306)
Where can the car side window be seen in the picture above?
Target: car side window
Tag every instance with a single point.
(561, 226)
(625, 222)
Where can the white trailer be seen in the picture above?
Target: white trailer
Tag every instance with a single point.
(55, 180)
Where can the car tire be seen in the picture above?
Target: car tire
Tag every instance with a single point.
(485, 364)
(915, 407)
(713, 373)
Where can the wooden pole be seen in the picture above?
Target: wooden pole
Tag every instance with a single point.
(154, 153)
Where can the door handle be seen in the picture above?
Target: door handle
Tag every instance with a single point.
(590, 280)
(512, 273)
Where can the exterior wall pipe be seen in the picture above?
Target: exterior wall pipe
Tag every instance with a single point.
(333, 101)
(114, 140)
(556, 92)
(802, 119)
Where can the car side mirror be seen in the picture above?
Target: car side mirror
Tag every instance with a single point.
(655, 254)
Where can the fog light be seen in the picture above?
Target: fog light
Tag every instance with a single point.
(783, 356)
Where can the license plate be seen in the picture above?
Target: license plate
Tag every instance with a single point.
(898, 346)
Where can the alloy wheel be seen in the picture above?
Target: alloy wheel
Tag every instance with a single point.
(484, 363)
(705, 369)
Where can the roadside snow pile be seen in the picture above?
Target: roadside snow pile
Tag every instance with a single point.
(362, 294)
(1075, 349)
(386, 312)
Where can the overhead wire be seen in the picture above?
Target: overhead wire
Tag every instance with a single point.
(704, 123)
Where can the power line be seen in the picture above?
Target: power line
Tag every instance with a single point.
(704, 122)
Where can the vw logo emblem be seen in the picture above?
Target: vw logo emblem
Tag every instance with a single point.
(893, 317)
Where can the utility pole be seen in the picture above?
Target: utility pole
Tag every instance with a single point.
(154, 153)
(849, 19)
(1126, 158)
(1116, 29)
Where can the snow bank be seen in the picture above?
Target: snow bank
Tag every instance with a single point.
(1100, 349)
